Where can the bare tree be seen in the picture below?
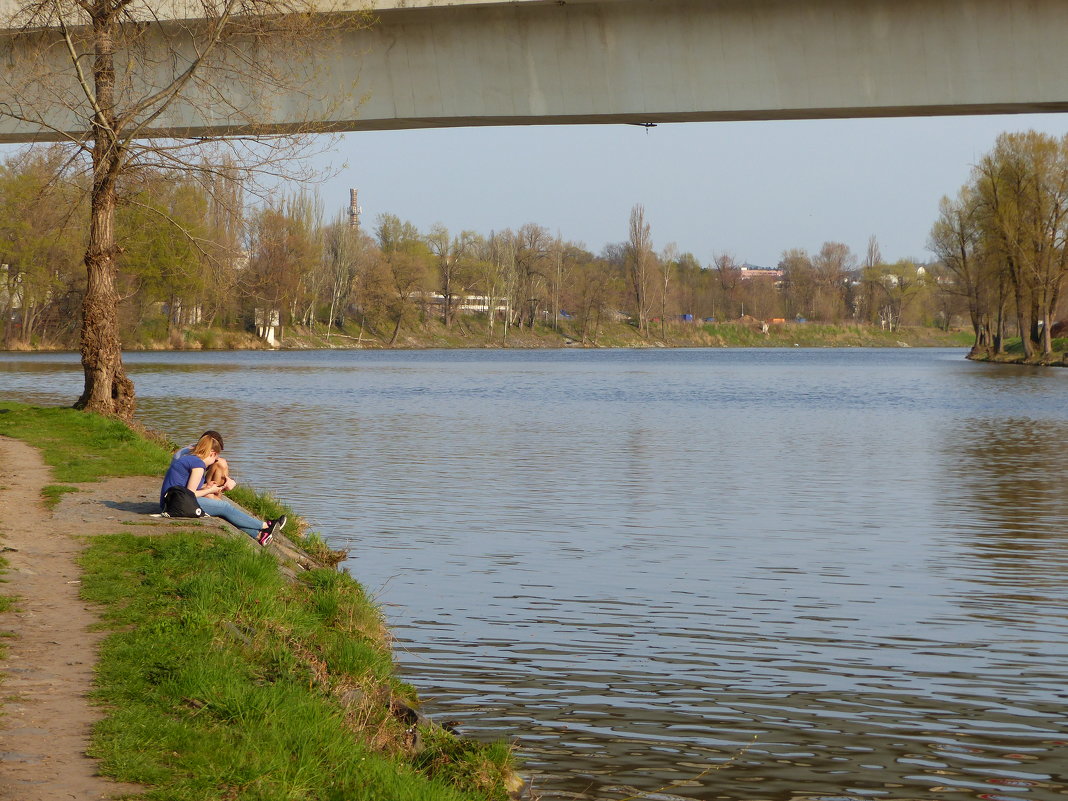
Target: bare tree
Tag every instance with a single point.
(444, 249)
(314, 278)
(729, 274)
(113, 78)
(283, 248)
(864, 302)
(39, 232)
(832, 266)
(798, 282)
(404, 271)
(503, 248)
(639, 261)
(344, 250)
(668, 260)
(594, 289)
(1022, 189)
(533, 248)
(957, 239)
(557, 277)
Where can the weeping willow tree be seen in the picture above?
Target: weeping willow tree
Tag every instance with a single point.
(179, 86)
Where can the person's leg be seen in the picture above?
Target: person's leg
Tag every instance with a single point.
(216, 474)
(230, 513)
(219, 473)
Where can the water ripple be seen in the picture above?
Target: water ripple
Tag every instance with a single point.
(704, 574)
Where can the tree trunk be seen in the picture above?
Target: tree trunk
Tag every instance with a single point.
(8, 313)
(107, 389)
(330, 318)
(29, 322)
(1023, 325)
(446, 295)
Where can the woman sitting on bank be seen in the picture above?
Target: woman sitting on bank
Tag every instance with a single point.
(218, 472)
(187, 470)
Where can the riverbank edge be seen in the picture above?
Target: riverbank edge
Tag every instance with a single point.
(478, 334)
(1055, 359)
(85, 448)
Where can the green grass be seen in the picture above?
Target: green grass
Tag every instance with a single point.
(1014, 353)
(474, 331)
(83, 447)
(7, 603)
(53, 494)
(819, 335)
(223, 681)
(265, 505)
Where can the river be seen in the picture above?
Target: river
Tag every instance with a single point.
(692, 574)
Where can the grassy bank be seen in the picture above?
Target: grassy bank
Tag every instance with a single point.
(1014, 354)
(223, 679)
(476, 332)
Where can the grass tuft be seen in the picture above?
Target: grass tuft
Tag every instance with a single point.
(265, 505)
(52, 494)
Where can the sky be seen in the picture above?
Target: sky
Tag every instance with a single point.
(748, 189)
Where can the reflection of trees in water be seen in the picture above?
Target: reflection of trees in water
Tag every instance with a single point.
(1010, 497)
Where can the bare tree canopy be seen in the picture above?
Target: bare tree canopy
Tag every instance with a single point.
(1005, 239)
(639, 262)
(112, 78)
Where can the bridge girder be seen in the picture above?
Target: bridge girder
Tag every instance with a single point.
(437, 63)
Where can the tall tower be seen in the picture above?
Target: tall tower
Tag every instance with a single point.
(354, 210)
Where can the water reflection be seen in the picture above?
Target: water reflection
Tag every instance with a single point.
(693, 574)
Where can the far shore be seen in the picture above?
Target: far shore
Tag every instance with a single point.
(478, 334)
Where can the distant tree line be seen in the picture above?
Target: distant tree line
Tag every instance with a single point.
(202, 256)
(1004, 239)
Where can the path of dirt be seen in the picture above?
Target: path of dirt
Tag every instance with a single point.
(47, 672)
(48, 668)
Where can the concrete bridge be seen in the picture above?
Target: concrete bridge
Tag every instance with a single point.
(432, 63)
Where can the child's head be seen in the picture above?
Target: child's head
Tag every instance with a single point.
(212, 433)
(208, 445)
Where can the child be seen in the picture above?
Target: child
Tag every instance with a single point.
(218, 475)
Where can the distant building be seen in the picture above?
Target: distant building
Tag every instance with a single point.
(748, 271)
(268, 325)
(469, 304)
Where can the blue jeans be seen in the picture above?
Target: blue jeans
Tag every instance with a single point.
(230, 513)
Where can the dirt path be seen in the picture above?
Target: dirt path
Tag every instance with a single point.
(47, 673)
(48, 669)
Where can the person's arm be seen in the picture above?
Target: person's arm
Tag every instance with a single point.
(195, 475)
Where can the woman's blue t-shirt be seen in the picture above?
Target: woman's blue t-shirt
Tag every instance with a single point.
(178, 473)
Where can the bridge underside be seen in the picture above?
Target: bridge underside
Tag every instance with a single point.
(426, 64)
